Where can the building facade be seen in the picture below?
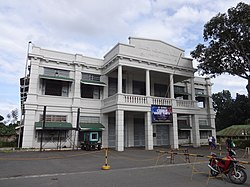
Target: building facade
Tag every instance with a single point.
(140, 94)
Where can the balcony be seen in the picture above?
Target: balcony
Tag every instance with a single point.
(144, 101)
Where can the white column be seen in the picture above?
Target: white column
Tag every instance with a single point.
(29, 130)
(174, 133)
(148, 132)
(171, 80)
(147, 83)
(119, 79)
(192, 88)
(196, 131)
(119, 142)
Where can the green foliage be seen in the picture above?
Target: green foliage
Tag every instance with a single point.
(7, 130)
(230, 111)
(226, 48)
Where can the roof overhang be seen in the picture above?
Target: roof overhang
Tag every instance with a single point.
(91, 82)
(91, 127)
(56, 78)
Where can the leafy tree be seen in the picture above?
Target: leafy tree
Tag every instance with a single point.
(230, 111)
(226, 46)
(222, 103)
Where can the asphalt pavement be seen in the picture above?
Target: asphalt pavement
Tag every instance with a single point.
(133, 167)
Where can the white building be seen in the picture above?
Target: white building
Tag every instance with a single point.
(126, 94)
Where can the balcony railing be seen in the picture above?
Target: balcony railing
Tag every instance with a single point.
(141, 100)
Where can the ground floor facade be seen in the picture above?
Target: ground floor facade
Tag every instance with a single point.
(119, 129)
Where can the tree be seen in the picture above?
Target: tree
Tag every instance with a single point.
(230, 111)
(227, 44)
(222, 103)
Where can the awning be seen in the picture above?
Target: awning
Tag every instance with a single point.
(54, 126)
(205, 127)
(56, 78)
(91, 82)
(184, 127)
(91, 127)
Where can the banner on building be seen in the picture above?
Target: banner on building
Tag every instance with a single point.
(161, 114)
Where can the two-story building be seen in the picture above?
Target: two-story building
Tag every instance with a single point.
(140, 94)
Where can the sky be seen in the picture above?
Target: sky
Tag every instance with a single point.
(93, 27)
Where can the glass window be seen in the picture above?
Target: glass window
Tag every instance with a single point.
(199, 91)
(90, 119)
(160, 90)
(56, 72)
(113, 83)
(56, 88)
(183, 134)
(139, 88)
(90, 91)
(205, 134)
(52, 136)
(92, 77)
(56, 118)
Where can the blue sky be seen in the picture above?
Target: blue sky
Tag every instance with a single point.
(92, 27)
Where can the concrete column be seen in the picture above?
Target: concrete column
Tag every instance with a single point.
(210, 110)
(171, 80)
(34, 82)
(77, 86)
(196, 131)
(174, 133)
(147, 83)
(119, 142)
(148, 132)
(104, 121)
(192, 88)
(29, 130)
(119, 79)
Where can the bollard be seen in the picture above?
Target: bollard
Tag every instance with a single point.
(106, 166)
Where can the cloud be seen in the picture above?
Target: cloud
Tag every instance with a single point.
(93, 27)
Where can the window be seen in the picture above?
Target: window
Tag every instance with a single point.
(201, 102)
(56, 88)
(56, 72)
(94, 136)
(91, 77)
(56, 118)
(90, 91)
(90, 119)
(183, 134)
(203, 122)
(205, 134)
(199, 91)
(180, 92)
(139, 88)
(52, 136)
(113, 83)
(160, 90)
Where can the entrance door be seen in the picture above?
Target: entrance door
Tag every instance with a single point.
(162, 135)
(139, 132)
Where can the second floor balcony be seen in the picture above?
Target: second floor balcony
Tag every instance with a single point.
(131, 100)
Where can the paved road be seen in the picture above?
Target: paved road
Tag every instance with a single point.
(133, 167)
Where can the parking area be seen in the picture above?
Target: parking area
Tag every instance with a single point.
(133, 167)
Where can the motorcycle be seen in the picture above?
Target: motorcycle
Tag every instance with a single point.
(229, 166)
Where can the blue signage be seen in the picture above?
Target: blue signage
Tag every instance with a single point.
(161, 114)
